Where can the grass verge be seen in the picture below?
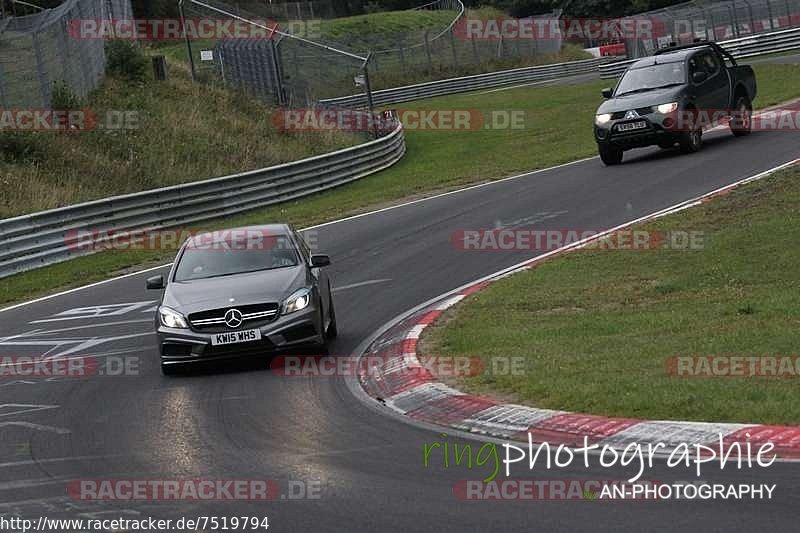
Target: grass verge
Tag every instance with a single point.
(558, 130)
(597, 328)
(171, 133)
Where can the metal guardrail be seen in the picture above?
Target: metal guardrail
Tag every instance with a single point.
(469, 83)
(751, 46)
(49, 237)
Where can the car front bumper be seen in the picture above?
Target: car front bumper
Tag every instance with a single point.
(656, 133)
(299, 329)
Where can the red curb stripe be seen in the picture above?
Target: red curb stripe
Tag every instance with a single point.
(475, 288)
(430, 317)
(785, 438)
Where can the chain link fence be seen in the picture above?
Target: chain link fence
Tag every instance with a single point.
(38, 51)
(713, 20)
(299, 68)
(276, 66)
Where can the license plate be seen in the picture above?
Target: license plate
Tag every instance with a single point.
(628, 126)
(236, 337)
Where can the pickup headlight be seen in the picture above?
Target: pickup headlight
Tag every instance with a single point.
(603, 118)
(171, 318)
(299, 300)
(667, 108)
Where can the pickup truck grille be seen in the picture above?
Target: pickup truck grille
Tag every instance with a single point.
(641, 110)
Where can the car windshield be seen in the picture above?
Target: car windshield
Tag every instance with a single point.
(652, 77)
(235, 254)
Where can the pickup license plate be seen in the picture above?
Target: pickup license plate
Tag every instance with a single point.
(236, 337)
(629, 126)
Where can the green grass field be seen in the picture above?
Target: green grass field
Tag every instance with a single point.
(558, 130)
(176, 137)
(597, 328)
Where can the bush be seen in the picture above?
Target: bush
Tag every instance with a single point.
(125, 60)
(19, 146)
(64, 98)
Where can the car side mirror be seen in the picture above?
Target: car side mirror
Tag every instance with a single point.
(699, 77)
(155, 283)
(607, 92)
(319, 261)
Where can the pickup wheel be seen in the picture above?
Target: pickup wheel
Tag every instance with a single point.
(742, 119)
(609, 155)
(691, 141)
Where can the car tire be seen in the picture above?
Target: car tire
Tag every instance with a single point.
(744, 126)
(609, 155)
(692, 141)
(333, 330)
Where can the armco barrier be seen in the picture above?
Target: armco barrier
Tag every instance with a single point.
(469, 83)
(753, 45)
(48, 237)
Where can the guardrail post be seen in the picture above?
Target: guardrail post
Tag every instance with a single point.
(453, 47)
(370, 101)
(428, 49)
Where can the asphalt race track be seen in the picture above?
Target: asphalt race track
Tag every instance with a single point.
(246, 422)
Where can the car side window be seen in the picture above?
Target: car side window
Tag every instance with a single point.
(711, 64)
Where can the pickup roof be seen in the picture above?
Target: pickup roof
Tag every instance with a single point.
(668, 98)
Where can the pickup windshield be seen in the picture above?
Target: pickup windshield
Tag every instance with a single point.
(652, 77)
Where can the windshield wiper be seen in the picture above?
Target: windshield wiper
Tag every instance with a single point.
(645, 89)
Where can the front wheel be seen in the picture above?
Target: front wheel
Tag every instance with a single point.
(692, 140)
(742, 120)
(609, 155)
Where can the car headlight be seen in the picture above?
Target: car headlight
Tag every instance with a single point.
(603, 118)
(297, 301)
(667, 108)
(171, 318)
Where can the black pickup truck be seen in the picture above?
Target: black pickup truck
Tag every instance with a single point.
(669, 98)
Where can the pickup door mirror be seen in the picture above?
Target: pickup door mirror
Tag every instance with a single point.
(607, 92)
(699, 77)
(155, 283)
(319, 261)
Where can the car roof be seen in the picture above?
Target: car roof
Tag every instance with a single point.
(668, 57)
(220, 234)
